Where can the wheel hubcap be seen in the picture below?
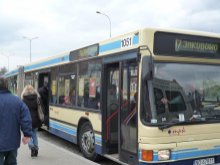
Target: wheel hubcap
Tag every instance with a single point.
(88, 142)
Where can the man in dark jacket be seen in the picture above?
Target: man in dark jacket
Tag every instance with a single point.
(14, 116)
(44, 94)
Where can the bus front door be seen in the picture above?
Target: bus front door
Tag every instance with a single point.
(128, 113)
(120, 119)
(112, 108)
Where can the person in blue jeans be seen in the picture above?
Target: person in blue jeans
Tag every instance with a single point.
(14, 119)
(29, 97)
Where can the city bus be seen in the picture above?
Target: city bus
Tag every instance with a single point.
(146, 97)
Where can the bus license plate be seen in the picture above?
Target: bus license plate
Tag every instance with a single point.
(204, 161)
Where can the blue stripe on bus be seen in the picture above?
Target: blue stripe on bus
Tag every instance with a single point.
(63, 135)
(98, 149)
(116, 44)
(110, 46)
(192, 154)
(135, 40)
(71, 131)
(11, 73)
(47, 63)
(182, 162)
(155, 156)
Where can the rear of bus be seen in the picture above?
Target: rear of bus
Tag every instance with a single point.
(179, 119)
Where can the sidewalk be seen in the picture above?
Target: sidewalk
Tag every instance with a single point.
(50, 154)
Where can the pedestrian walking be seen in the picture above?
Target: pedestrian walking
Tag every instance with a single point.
(14, 118)
(30, 98)
(44, 95)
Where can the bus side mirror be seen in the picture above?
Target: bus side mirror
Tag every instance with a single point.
(147, 68)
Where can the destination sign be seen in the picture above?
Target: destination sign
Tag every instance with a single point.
(173, 44)
(86, 52)
(195, 46)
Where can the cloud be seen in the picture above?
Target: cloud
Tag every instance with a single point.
(67, 25)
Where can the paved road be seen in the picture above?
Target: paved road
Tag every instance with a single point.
(56, 151)
(50, 154)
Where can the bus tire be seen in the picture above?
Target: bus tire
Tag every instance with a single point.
(87, 142)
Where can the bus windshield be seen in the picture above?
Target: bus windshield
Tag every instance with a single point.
(185, 93)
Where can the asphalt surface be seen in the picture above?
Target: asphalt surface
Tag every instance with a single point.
(56, 151)
(50, 154)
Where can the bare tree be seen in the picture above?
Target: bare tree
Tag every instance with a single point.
(3, 71)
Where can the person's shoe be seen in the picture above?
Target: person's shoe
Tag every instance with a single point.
(36, 153)
(32, 152)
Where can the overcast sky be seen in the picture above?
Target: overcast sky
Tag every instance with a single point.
(64, 25)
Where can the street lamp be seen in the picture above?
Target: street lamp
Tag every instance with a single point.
(30, 39)
(98, 12)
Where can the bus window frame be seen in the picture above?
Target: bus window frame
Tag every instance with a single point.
(100, 60)
(59, 75)
(77, 62)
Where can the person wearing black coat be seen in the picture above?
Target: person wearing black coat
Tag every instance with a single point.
(29, 97)
(44, 95)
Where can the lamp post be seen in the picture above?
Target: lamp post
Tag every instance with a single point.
(30, 39)
(98, 12)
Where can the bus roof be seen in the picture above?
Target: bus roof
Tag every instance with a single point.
(119, 44)
(48, 62)
(137, 38)
(11, 73)
(112, 45)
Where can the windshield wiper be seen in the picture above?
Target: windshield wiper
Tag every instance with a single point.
(168, 125)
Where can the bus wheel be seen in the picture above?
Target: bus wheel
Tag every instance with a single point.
(87, 142)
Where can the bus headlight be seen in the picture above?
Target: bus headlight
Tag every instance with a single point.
(164, 155)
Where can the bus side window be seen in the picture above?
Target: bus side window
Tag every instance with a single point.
(65, 90)
(53, 86)
(89, 84)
